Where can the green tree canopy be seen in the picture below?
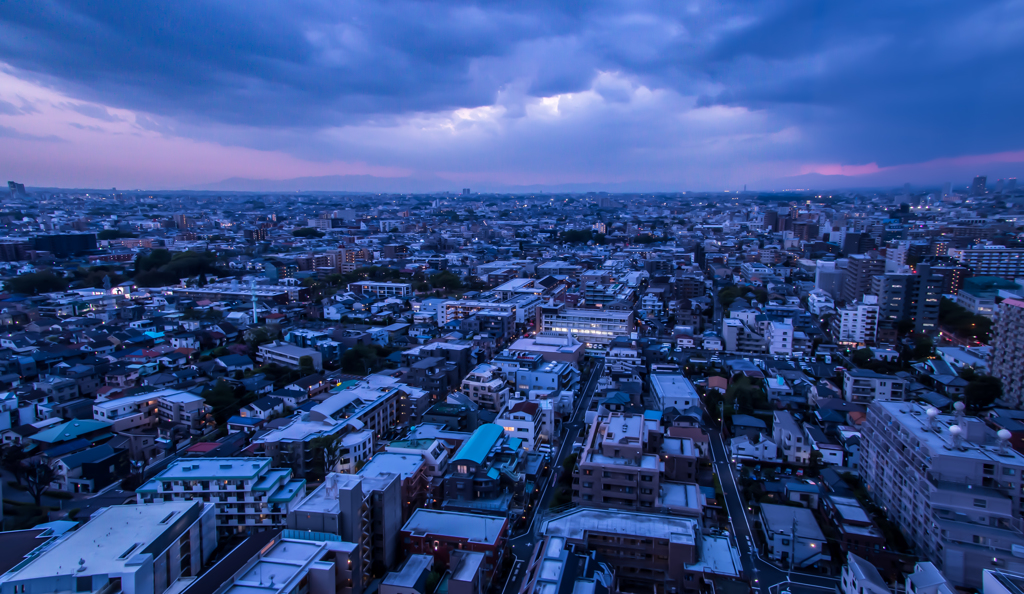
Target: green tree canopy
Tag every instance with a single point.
(35, 283)
(307, 232)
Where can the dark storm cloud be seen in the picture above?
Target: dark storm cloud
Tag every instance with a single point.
(882, 80)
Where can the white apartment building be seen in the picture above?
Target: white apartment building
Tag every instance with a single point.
(550, 377)
(595, 327)
(141, 549)
(486, 386)
(992, 260)
(759, 448)
(856, 324)
(146, 410)
(864, 386)
(820, 302)
(531, 421)
(861, 577)
(780, 338)
(449, 311)
(674, 390)
(381, 289)
(287, 355)
(789, 439)
(247, 493)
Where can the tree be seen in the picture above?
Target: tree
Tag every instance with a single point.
(982, 392)
(256, 337)
(449, 281)
(35, 283)
(923, 347)
(113, 234)
(904, 327)
(11, 459)
(306, 365)
(861, 357)
(329, 452)
(38, 476)
(307, 232)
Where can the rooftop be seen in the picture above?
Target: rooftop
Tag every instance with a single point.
(472, 527)
(108, 543)
(215, 468)
(476, 448)
(575, 525)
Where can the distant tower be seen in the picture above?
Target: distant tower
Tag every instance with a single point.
(978, 187)
(1011, 184)
(252, 290)
(465, 191)
(946, 189)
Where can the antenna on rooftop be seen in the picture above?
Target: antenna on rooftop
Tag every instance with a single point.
(1004, 439)
(955, 433)
(959, 406)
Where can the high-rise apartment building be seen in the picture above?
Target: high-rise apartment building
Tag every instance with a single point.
(856, 324)
(909, 297)
(1005, 360)
(978, 186)
(951, 485)
(992, 260)
(859, 272)
(183, 221)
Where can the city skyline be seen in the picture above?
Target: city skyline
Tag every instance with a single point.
(422, 98)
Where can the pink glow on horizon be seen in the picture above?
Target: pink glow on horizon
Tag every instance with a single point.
(940, 163)
(840, 169)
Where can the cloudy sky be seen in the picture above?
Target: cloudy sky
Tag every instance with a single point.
(688, 95)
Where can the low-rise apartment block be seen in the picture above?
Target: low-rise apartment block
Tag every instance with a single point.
(247, 493)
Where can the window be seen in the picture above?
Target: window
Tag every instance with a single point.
(980, 503)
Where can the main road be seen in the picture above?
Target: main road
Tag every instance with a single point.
(522, 545)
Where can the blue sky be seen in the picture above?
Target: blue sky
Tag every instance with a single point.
(660, 95)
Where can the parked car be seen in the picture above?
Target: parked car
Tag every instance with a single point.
(800, 472)
(789, 472)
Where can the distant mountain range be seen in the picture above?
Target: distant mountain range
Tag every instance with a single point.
(924, 176)
(417, 184)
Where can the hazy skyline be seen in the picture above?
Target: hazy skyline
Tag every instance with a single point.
(642, 95)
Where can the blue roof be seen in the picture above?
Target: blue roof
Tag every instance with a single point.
(652, 415)
(236, 420)
(480, 443)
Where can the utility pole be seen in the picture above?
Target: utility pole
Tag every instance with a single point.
(792, 552)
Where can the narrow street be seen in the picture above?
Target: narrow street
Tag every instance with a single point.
(522, 545)
(764, 576)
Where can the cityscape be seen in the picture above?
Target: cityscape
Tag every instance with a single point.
(418, 297)
(514, 394)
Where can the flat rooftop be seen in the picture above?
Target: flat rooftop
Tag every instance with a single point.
(215, 469)
(575, 524)
(410, 571)
(472, 527)
(405, 465)
(103, 541)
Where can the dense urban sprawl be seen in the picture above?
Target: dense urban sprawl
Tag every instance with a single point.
(207, 393)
